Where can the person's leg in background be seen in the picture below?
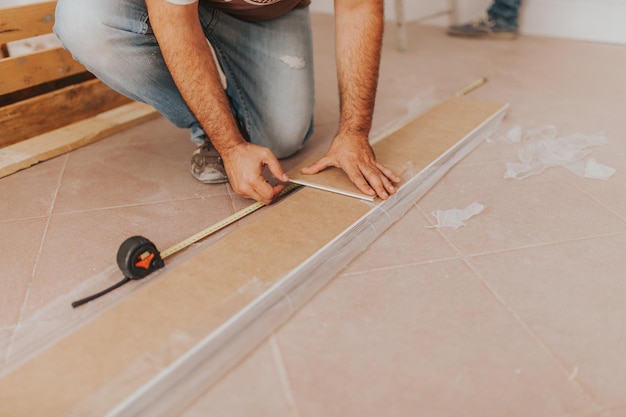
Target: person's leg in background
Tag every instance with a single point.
(500, 21)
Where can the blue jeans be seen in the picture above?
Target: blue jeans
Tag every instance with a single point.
(505, 12)
(268, 66)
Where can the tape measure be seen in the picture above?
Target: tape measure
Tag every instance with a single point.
(138, 257)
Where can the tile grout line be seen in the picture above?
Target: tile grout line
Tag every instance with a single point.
(231, 200)
(466, 260)
(392, 267)
(459, 255)
(569, 374)
(606, 207)
(587, 412)
(539, 245)
(529, 246)
(282, 374)
(566, 372)
(151, 203)
(423, 262)
(4, 221)
(36, 262)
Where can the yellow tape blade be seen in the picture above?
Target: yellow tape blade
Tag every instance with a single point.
(221, 224)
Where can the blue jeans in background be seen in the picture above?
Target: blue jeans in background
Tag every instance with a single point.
(268, 66)
(505, 12)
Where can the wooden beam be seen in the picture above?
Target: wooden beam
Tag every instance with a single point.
(57, 142)
(140, 350)
(21, 22)
(22, 72)
(58, 108)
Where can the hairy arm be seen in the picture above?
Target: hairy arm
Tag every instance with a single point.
(359, 30)
(190, 61)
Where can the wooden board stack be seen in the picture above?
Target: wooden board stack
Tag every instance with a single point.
(49, 103)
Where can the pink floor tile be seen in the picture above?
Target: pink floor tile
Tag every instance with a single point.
(19, 253)
(31, 192)
(417, 325)
(571, 296)
(606, 192)
(517, 213)
(496, 148)
(617, 412)
(147, 164)
(5, 342)
(81, 245)
(408, 241)
(420, 340)
(253, 388)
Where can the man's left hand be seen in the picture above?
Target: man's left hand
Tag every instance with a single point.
(354, 155)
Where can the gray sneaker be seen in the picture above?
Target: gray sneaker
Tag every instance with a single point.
(207, 166)
(483, 27)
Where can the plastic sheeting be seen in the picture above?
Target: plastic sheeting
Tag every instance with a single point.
(455, 218)
(542, 148)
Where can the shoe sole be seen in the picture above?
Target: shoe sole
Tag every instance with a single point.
(221, 180)
(492, 35)
(216, 179)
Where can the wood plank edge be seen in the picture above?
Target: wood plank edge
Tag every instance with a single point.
(47, 146)
(28, 20)
(171, 390)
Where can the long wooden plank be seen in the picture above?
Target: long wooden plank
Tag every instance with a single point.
(21, 22)
(54, 143)
(53, 110)
(398, 152)
(37, 68)
(117, 363)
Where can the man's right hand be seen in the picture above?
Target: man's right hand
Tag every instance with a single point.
(189, 59)
(245, 163)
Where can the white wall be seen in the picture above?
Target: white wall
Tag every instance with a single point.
(593, 20)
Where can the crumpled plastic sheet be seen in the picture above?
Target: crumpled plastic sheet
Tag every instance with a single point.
(514, 135)
(542, 149)
(455, 218)
(591, 169)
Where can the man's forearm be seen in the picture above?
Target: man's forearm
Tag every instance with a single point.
(359, 26)
(190, 61)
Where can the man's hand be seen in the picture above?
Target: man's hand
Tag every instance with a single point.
(359, 32)
(355, 156)
(190, 61)
(244, 164)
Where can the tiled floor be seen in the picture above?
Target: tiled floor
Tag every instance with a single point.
(519, 313)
